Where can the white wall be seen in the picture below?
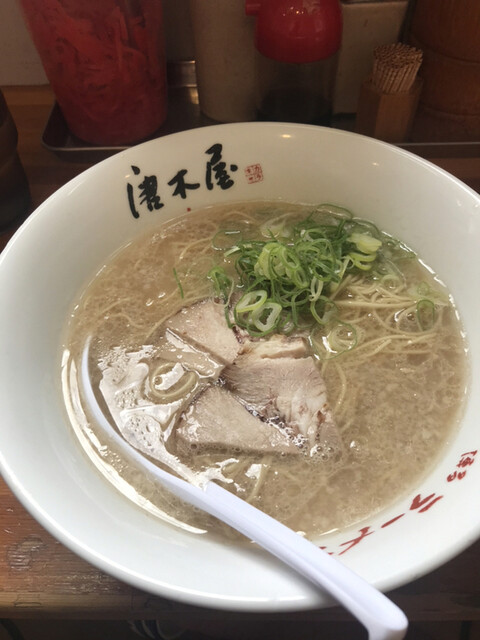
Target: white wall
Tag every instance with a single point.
(19, 61)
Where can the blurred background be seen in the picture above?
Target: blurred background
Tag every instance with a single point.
(443, 105)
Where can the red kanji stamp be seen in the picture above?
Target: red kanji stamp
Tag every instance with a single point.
(364, 532)
(330, 553)
(466, 459)
(424, 504)
(389, 522)
(254, 173)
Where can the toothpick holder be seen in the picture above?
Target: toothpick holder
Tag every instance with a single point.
(387, 116)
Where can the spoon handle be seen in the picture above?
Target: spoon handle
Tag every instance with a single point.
(382, 618)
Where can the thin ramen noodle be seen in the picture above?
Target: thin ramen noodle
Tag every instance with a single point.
(395, 372)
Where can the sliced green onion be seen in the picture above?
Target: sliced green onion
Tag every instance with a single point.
(425, 312)
(361, 260)
(251, 301)
(365, 243)
(392, 282)
(179, 284)
(288, 276)
(323, 310)
(265, 319)
(257, 314)
(222, 283)
(316, 287)
(358, 225)
(386, 268)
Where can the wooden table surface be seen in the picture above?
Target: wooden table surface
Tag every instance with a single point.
(41, 578)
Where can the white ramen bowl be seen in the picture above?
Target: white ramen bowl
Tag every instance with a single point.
(69, 237)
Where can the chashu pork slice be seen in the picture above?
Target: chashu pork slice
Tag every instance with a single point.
(203, 325)
(286, 385)
(216, 420)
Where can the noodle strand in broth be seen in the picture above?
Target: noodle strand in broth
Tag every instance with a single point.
(390, 349)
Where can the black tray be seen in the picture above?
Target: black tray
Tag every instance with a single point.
(184, 113)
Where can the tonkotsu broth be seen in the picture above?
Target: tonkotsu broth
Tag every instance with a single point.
(396, 397)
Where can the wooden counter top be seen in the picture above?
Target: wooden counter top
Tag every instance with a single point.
(41, 578)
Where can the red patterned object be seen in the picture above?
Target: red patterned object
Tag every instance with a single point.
(106, 64)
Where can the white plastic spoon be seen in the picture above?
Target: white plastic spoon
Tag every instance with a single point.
(380, 616)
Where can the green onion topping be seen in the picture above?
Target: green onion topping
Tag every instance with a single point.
(286, 279)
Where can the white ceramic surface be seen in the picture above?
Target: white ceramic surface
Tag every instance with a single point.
(70, 235)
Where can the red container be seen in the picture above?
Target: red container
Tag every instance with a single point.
(297, 43)
(105, 61)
